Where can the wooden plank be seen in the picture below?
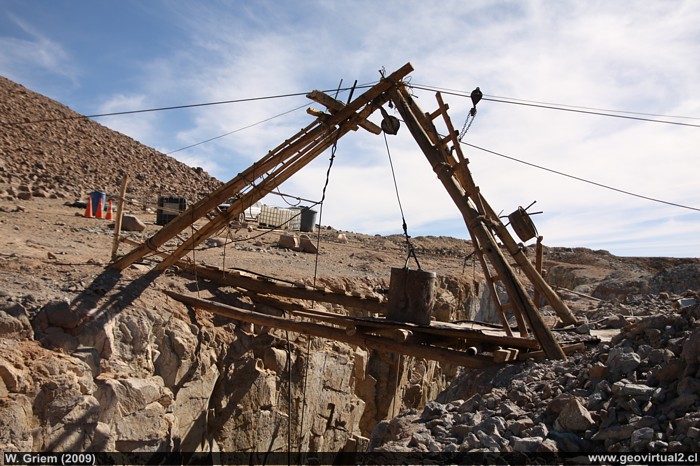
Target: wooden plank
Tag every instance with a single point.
(437, 329)
(539, 256)
(335, 105)
(453, 133)
(120, 213)
(225, 278)
(538, 355)
(372, 342)
(492, 289)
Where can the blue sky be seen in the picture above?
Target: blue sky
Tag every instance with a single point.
(108, 56)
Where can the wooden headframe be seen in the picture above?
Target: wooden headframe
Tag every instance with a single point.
(445, 156)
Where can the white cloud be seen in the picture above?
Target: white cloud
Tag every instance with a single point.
(22, 58)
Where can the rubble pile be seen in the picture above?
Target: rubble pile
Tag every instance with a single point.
(640, 393)
(49, 151)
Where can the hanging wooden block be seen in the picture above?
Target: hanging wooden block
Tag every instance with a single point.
(411, 296)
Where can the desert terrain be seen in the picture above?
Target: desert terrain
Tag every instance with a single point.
(96, 360)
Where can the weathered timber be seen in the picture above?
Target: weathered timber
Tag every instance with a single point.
(539, 355)
(440, 330)
(335, 105)
(515, 250)
(494, 294)
(583, 295)
(286, 170)
(225, 278)
(539, 257)
(472, 190)
(223, 193)
(120, 213)
(307, 328)
(475, 222)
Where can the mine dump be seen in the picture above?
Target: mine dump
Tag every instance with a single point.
(148, 307)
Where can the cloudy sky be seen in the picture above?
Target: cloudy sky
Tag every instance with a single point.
(602, 57)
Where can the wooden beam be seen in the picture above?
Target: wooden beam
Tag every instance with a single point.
(120, 213)
(335, 106)
(368, 341)
(437, 329)
(285, 171)
(539, 355)
(539, 256)
(205, 205)
(311, 135)
(453, 134)
(225, 278)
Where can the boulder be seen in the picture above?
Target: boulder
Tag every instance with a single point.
(574, 417)
(132, 223)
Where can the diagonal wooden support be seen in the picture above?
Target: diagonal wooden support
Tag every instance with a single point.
(335, 105)
(459, 358)
(427, 139)
(464, 176)
(273, 180)
(308, 141)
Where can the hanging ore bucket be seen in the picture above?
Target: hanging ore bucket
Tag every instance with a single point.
(411, 295)
(522, 224)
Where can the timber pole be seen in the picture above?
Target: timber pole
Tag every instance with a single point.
(120, 213)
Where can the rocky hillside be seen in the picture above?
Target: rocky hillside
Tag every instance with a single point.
(48, 150)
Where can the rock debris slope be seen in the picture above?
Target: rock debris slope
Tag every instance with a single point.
(47, 149)
(640, 393)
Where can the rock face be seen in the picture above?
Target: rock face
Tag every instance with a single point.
(136, 379)
(645, 400)
(116, 370)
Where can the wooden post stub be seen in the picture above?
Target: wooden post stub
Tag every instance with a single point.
(411, 296)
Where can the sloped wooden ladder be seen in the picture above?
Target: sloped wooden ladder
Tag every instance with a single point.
(483, 224)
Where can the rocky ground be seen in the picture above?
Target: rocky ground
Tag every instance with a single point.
(93, 359)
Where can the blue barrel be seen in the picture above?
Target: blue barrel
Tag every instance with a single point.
(95, 197)
(308, 219)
